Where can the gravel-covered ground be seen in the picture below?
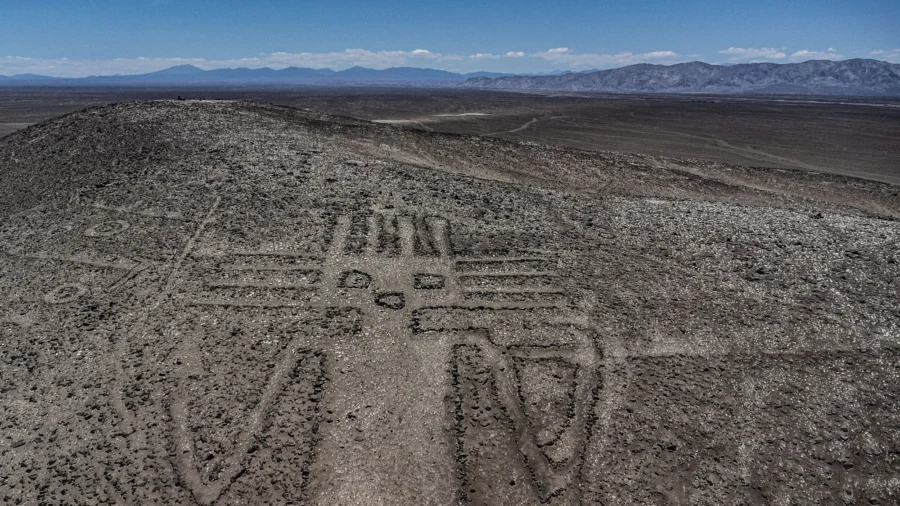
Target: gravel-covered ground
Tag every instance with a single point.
(209, 302)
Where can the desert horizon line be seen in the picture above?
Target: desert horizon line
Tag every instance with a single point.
(339, 69)
(556, 59)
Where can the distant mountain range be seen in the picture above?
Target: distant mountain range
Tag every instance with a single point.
(820, 77)
(191, 75)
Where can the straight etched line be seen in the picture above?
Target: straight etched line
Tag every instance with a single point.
(407, 235)
(492, 306)
(736, 354)
(575, 356)
(283, 253)
(123, 266)
(137, 269)
(148, 214)
(339, 236)
(424, 237)
(373, 235)
(545, 274)
(253, 284)
(121, 346)
(537, 291)
(242, 303)
(441, 237)
(488, 260)
(307, 269)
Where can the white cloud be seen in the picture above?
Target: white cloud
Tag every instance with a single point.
(752, 54)
(805, 55)
(515, 54)
(337, 60)
(892, 55)
(659, 54)
(64, 67)
(484, 56)
(563, 56)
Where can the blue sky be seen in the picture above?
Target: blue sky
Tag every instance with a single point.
(86, 37)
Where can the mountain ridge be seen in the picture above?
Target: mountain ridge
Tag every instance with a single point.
(847, 77)
(190, 74)
(863, 77)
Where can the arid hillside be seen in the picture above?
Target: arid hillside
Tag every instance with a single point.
(217, 302)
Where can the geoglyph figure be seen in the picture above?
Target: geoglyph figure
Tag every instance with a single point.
(500, 319)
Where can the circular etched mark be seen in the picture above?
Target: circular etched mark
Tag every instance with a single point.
(62, 294)
(107, 228)
(391, 300)
(355, 279)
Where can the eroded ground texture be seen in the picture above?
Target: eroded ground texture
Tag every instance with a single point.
(234, 303)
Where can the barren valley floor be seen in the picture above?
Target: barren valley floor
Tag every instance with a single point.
(849, 136)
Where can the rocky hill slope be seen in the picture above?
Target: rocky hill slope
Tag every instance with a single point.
(233, 303)
(820, 77)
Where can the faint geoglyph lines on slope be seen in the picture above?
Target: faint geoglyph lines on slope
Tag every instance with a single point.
(515, 280)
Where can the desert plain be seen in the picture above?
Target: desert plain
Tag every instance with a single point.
(459, 298)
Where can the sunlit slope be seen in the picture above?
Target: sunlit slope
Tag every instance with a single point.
(228, 302)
